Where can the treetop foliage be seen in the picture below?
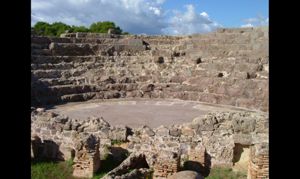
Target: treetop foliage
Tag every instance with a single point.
(57, 28)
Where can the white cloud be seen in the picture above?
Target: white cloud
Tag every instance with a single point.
(134, 16)
(256, 21)
(190, 22)
(247, 25)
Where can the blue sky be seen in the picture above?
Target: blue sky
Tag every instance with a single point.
(230, 13)
(171, 17)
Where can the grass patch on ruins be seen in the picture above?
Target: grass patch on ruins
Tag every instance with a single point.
(225, 173)
(51, 170)
(64, 170)
(117, 142)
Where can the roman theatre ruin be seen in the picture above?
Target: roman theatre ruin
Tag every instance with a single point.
(174, 102)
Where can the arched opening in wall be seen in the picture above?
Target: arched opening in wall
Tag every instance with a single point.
(241, 157)
(135, 166)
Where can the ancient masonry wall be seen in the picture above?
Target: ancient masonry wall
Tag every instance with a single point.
(87, 157)
(208, 138)
(198, 155)
(259, 162)
(228, 67)
(167, 164)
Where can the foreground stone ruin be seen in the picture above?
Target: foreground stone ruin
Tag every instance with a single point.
(205, 142)
(228, 67)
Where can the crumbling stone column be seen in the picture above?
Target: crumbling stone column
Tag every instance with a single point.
(197, 159)
(167, 164)
(87, 157)
(259, 162)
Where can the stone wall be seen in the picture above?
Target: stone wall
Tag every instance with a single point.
(206, 142)
(259, 162)
(224, 67)
(167, 164)
(136, 162)
(87, 158)
(65, 132)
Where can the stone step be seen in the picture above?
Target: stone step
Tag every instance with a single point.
(42, 52)
(230, 67)
(212, 98)
(95, 40)
(237, 59)
(92, 95)
(77, 97)
(39, 46)
(67, 66)
(40, 40)
(221, 40)
(37, 59)
(85, 49)
(223, 53)
(215, 46)
(57, 73)
(73, 89)
(59, 81)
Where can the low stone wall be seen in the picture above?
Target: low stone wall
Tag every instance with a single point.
(206, 142)
(65, 132)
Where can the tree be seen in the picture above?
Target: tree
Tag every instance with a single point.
(57, 28)
(103, 27)
(79, 29)
(54, 29)
(40, 28)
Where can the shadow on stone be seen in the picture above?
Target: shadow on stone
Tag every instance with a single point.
(203, 169)
(119, 154)
(47, 150)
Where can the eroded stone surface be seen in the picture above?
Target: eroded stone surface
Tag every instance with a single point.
(186, 175)
(220, 67)
(229, 67)
(196, 147)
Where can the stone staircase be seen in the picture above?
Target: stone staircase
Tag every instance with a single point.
(229, 66)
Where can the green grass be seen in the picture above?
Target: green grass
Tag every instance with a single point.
(64, 170)
(47, 170)
(117, 142)
(225, 173)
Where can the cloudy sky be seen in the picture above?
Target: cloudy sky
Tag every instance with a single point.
(170, 17)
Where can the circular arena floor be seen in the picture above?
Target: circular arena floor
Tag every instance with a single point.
(138, 112)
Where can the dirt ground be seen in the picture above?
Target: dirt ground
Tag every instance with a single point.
(138, 112)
